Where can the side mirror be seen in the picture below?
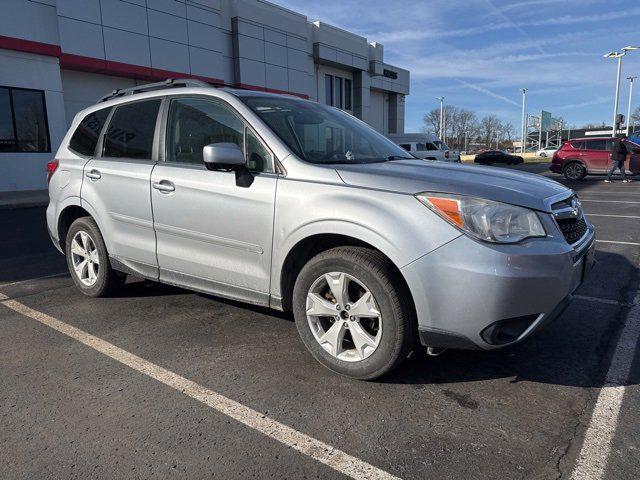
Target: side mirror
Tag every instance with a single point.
(222, 155)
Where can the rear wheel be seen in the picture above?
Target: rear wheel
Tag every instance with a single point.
(353, 313)
(88, 260)
(574, 171)
(543, 154)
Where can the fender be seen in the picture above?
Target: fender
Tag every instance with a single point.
(574, 160)
(92, 211)
(388, 221)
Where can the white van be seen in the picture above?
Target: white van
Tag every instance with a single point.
(425, 145)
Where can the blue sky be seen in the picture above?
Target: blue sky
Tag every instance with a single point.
(479, 53)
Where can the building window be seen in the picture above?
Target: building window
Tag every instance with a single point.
(337, 92)
(328, 90)
(23, 121)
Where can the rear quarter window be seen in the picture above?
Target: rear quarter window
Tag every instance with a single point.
(85, 138)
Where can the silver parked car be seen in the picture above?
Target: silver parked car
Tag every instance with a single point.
(286, 203)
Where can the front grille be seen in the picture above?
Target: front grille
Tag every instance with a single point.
(573, 229)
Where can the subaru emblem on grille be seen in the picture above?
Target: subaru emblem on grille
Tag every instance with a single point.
(575, 204)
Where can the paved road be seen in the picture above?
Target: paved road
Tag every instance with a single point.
(68, 411)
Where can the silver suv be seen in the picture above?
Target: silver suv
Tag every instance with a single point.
(289, 204)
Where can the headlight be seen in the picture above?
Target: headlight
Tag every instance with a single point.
(485, 219)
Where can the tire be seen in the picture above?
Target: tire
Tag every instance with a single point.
(574, 171)
(543, 155)
(396, 331)
(105, 280)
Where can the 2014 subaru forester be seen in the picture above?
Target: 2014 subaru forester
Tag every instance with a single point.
(286, 203)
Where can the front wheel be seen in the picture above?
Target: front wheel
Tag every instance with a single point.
(574, 171)
(353, 312)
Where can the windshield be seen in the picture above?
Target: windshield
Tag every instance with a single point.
(321, 134)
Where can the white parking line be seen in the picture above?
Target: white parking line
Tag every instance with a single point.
(593, 457)
(309, 446)
(607, 215)
(53, 275)
(618, 243)
(597, 299)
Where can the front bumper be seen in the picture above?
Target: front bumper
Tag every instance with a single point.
(470, 294)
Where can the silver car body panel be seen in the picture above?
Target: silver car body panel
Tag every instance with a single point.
(120, 199)
(212, 235)
(210, 229)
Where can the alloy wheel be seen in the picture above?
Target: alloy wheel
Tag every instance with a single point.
(344, 317)
(85, 258)
(573, 171)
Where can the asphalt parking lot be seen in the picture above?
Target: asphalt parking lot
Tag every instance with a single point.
(565, 403)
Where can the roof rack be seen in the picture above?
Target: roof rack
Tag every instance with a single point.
(169, 83)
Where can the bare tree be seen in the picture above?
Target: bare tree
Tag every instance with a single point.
(489, 129)
(432, 121)
(457, 122)
(635, 116)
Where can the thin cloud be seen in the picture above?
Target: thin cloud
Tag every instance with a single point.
(486, 91)
(596, 101)
(413, 34)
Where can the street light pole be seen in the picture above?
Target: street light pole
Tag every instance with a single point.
(441, 117)
(618, 56)
(522, 127)
(631, 79)
(615, 102)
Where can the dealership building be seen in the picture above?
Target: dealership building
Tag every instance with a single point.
(60, 56)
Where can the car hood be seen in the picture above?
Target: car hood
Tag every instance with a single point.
(414, 176)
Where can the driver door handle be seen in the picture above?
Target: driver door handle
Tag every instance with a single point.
(164, 186)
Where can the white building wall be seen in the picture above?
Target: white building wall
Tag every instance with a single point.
(82, 89)
(78, 50)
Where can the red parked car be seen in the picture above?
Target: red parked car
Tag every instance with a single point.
(580, 157)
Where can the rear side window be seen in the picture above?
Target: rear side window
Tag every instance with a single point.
(596, 145)
(85, 138)
(576, 145)
(406, 146)
(131, 129)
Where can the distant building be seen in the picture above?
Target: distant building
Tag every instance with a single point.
(59, 56)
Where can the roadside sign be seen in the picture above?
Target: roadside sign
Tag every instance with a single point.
(545, 122)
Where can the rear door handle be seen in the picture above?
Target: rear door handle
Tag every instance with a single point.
(93, 174)
(164, 186)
